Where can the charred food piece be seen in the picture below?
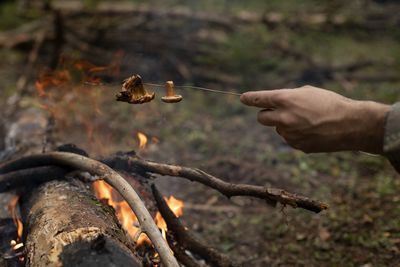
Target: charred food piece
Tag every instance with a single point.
(134, 92)
(171, 97)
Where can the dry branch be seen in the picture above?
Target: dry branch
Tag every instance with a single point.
(15, 179)
(185, 239)
(228, 189)
(180, 253)
(110, 176)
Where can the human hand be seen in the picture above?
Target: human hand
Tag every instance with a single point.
(312, 119)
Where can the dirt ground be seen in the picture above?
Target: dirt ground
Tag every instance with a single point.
(217, 134)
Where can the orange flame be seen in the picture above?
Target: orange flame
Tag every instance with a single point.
(48, 79)
(126, 216)
(142, 140)
(12, 209)
(176, 206)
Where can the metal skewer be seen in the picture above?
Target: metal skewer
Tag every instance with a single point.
(197, 88)
(180, 87)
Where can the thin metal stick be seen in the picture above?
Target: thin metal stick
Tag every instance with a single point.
(177, 86)
(197, 88)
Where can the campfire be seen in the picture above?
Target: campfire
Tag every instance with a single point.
(126, 216)
(121, 217)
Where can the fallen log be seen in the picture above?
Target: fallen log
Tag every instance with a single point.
(67, 226)
(64, 223)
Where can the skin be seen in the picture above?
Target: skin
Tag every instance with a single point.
(314, 120)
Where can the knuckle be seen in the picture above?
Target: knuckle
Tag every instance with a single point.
(256, 100)
(307, 87)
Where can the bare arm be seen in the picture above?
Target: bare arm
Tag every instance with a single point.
(316, 120)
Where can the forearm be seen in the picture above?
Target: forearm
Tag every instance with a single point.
(391, 146)
(371, 117)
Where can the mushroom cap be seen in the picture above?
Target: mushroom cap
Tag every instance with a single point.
(134, 92)
(142, 99)
(172, 99)
(123, 96)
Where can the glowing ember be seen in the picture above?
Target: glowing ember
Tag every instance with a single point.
(142, 140)
(15, 245)
(127, 218)
(12, 209)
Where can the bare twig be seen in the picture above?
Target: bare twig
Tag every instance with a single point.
(228, 189)
(185, 239)
(114, 179)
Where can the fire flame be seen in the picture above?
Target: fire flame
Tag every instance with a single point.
(69, 89)
(12, 209)
(142, 140)
(126, 216)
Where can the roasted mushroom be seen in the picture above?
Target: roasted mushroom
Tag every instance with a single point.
(134, 92)
(171, 97)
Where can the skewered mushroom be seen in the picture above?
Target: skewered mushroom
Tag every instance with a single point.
(134, 92)
(171, 97)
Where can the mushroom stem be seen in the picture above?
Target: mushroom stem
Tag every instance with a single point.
(169, 86)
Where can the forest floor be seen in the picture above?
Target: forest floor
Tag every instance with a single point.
(217, 134)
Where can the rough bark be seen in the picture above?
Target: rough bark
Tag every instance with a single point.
(67, 226)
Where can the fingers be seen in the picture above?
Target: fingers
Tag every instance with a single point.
(262, 99)
(268, 117)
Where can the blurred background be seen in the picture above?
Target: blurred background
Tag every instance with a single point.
(69, 59)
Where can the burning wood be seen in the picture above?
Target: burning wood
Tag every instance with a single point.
(120, 184)
(185, 239)
(66, 226)
(16, 244)
(127, 218)
(136, 165)
(12, 209)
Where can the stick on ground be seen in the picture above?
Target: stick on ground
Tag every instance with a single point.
(228, 189)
